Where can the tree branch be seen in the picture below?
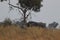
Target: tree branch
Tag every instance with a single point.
(20, 12)
(28, 15)
(16, 7)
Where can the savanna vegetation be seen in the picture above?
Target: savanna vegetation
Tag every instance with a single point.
(9, 31)
(30, 33)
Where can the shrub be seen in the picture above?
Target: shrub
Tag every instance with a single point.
(7, 21)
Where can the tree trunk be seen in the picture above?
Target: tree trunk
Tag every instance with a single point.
(24, 20)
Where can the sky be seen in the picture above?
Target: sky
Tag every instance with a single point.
(49, 13)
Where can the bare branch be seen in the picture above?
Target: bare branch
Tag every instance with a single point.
(16, 6)
(28, 15)
(20, 12)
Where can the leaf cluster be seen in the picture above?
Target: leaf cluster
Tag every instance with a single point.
(31, 4)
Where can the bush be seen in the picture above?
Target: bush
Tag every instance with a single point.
(7, 21)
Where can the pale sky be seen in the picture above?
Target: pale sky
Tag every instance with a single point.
(49, 12)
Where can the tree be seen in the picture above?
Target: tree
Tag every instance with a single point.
(27, 5)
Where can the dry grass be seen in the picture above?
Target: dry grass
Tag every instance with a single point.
(31, 33)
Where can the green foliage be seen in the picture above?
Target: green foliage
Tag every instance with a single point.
(31, 4)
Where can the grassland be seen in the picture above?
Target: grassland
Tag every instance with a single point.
(32, 33)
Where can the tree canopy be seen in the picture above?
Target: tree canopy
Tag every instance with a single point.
(35, 5)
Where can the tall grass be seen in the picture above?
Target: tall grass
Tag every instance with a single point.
(31, 33)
